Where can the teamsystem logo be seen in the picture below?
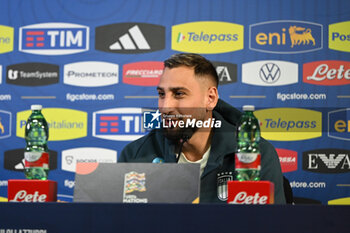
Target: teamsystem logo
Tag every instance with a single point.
(285, 36)
(130, 38)
(270, 73)
(32, 74)
(54, 38)
(207, 37)
(157, 120)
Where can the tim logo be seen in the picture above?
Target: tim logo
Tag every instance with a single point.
(54, 38)
(227, 72)
(130, 38)
(327, 161)
(118, 124)
(5, 124)
(152, 120)
(339, 124)
(285, 36)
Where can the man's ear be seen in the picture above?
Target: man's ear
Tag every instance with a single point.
(212, 98)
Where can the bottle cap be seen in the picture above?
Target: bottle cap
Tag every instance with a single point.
(248, 108)
(36, 107)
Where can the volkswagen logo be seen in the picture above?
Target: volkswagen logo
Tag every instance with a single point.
(270, 73)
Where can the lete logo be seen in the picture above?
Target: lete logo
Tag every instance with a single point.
(285, 36)
(64, 124)
(327, 73)
(339, 124)
(289, 124)
(119, 124)
(207, 37)
(143, 73)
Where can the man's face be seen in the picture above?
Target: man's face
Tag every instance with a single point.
(182, 95)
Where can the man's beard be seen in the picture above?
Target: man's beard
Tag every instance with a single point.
(175, 134)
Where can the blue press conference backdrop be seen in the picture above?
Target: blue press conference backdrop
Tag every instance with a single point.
(94, 64)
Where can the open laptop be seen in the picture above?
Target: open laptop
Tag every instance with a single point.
(137, 183)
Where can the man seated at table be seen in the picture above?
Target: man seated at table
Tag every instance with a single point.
(188, 88)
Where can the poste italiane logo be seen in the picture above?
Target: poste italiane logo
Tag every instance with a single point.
(339, 36)
(289, 124)
(64, 124)
(207, 37)
(6, 39)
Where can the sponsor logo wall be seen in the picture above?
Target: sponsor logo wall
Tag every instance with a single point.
(95, 73)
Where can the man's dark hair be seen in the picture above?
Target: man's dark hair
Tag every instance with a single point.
(201, 65)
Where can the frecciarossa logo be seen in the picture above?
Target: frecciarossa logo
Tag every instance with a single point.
(289, 124)
(327, 73)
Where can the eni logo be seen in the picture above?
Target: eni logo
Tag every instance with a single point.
(299, 35)
(2, 129)
(285, 37)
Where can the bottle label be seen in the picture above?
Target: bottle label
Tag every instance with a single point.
(248, 160)
(36, 159)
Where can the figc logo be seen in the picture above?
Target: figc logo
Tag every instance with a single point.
(285, 37)
(289, 124)
(207, 37)
(64, 124)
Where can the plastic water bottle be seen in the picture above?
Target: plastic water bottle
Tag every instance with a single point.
(247, 157)
(36, 152)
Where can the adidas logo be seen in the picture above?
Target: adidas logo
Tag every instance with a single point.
(127, 42)
(130, 38)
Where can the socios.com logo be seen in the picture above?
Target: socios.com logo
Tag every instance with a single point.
(6, 39)
(339, 124)
(289, 124)
(207, 37)
(71, 157)
(119, 124)
(339, 36)
(54, 38)
(64, 124)
(285, 36)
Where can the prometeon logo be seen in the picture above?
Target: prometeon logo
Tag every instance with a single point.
(327, 161)
(6, 39)
(285, 36)
(289, 124)
(5, 124)
(288, 160)
(91, 74)
(339, 124)
(143, 73)
(207, 37)
(32, 74)
(327, 73)
(64, 124)
(130, 38)
(227, 72)
(339, 36)
(14, 160)
(270, 73)
(71, 157)
(119, 124)
(54, 38)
